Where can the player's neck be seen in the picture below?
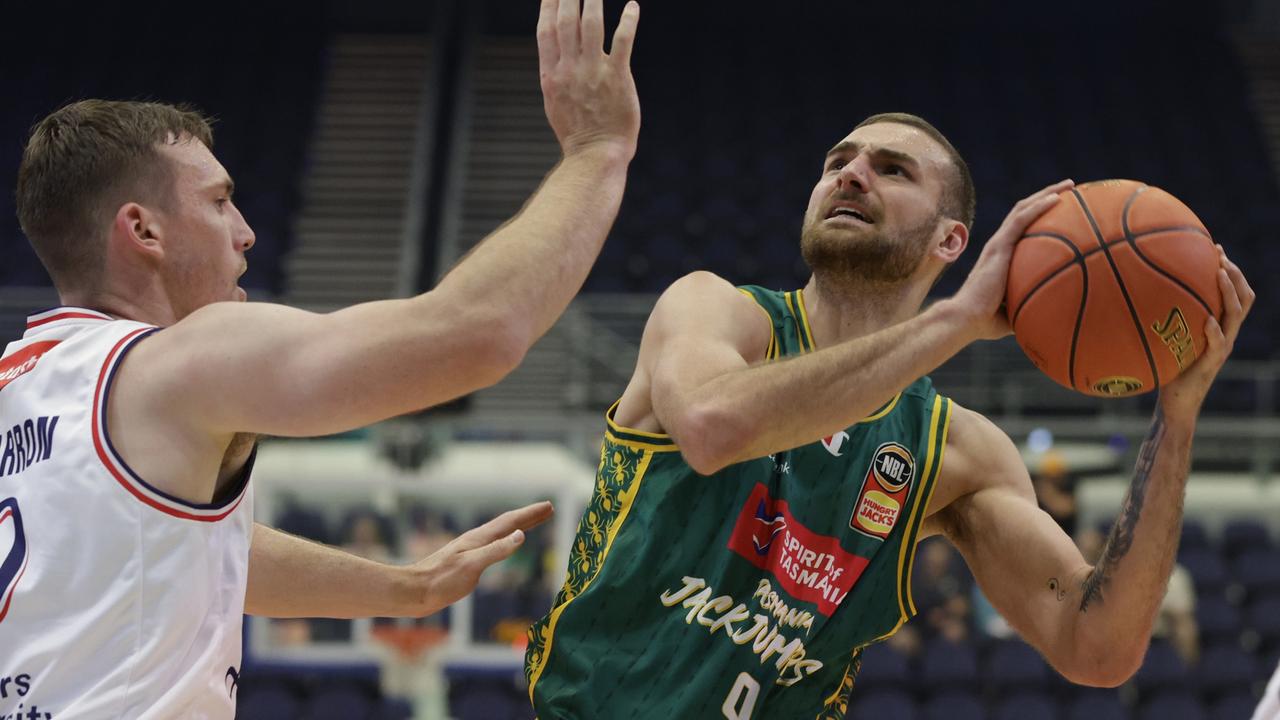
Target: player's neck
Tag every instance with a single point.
(842, 312)
(151, 308)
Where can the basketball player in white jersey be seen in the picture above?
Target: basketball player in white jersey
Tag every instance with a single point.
(1269, 707)
(127, 417)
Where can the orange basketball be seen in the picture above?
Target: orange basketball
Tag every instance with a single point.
(1110, 289)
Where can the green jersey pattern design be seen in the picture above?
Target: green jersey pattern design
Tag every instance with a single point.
(750, 593)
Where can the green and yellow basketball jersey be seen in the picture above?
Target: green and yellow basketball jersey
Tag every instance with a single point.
(749, 593)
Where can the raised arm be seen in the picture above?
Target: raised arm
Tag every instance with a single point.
(269, 369)
(1092, 623)
(722, 407)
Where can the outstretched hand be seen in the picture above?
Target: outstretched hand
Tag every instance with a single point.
(453, 571)
(589, 96)
(982, 295)
(1182, 398)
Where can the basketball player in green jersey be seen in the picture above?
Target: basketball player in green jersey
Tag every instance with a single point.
(767, 473)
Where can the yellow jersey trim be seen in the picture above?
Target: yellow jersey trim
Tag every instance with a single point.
(637, 439)
(770, 352)
(804, 319)
(805, 332)
(937, 476)
(627, 502)
(795, 315)
(907, 549)
(636, 445)
(888, 408)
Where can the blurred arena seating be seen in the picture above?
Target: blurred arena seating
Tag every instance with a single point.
(263, 118)
(739, 108)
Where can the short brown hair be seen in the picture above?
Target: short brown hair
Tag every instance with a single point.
(960, 198)
(84, 161)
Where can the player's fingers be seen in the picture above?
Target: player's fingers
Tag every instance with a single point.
(567, 28)
(593, 26)
(1025, 213)
(1216, 340)
(496, 551)
(1239, 281)
(625, 36)
(1040, 194)
(548, 46)
(1232, 308)
(523, 518)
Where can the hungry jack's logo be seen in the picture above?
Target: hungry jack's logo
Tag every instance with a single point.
(884, 491)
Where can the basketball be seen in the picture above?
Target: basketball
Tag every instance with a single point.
(1110, 289)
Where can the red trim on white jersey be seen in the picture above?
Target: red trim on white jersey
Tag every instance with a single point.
(123, 473)
(63, 313)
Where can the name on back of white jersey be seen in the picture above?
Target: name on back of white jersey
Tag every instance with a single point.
(27, 443)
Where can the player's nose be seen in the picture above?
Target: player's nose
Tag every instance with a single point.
(855, 174)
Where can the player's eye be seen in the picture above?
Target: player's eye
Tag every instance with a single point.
(835, 164)
(894, 169)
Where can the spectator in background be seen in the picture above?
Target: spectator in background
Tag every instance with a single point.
(1056, 490)
(367, 537)
(429, 530)
(941, 588)
(1176, 620)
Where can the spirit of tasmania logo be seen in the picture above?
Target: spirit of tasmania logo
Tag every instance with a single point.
(884, 491)
(810, 567)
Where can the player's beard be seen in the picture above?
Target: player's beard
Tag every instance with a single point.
(871, 257)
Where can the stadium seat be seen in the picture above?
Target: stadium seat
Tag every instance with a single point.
(948, 666)
(339, 703)
(1237, 706)
(1173, 705)
(1014, 666)
(954, 706)
(1258, 571)
(268, 704)
(882, 705)
(1161, 669)
(482, 705)
(1026, 706)
(1208, 571)
(1096, 705)
(1225, 669)
(1241, 536)
(883, 668)
(394, 709)
(1218, 619)
(1194, 537)
(1263, 618)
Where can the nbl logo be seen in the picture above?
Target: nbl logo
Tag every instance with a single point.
(884, 491)
(893, 466)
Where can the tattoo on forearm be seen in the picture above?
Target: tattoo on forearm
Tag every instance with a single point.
(1056, 587)
(1121, 537)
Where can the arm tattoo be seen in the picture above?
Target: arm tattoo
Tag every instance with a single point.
(1056, 587)
(1121, 537)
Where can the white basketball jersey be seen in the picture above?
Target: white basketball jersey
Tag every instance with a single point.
(116, 600)
(1269, 707)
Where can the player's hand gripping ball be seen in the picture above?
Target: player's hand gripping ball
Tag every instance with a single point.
(1109, 290)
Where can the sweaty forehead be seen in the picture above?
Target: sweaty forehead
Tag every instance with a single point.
(195, 165)
(902, 138)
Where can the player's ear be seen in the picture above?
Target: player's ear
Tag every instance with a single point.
(137, 230)
(954, 240)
